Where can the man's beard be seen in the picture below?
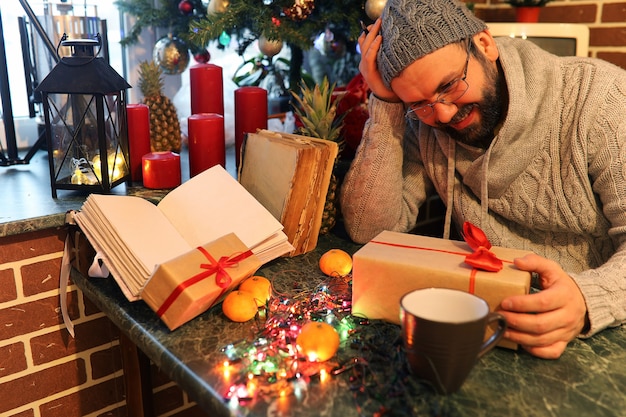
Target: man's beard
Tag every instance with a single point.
(490, 108)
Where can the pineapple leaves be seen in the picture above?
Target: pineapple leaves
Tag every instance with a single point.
(316, 109)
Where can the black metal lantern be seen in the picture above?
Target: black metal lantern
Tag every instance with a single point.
(84, 104)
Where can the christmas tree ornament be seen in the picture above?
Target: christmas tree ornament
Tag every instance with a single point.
(300, 10)
(202, 57)
(374, 8)
(185, 7)
(224, 39)
(171, 54)
(268, 47)
(217, 6)
(333, 47)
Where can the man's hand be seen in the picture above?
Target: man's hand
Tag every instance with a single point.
(545, 322)
(369, 44)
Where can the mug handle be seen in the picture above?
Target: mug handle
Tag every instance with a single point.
(497, 334)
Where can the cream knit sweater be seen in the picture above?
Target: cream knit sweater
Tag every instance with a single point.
(553, 180)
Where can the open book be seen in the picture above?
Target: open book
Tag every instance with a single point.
(289, 174)
(134, 236)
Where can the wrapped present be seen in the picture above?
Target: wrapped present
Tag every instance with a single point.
(190, 284)
(393, 264)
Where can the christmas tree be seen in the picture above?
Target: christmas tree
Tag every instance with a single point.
(297, 23)
(173, 15)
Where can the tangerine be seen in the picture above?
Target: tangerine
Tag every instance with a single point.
(336, 263)
(239, 306)
(260, 287)
(318, 341)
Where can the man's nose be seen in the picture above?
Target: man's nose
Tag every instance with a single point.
(445, 111)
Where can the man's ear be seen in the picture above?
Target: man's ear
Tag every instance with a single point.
(486, 44)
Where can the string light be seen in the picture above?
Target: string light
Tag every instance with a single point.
(272, 362)
(268, 368)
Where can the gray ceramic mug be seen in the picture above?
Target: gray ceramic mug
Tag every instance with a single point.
(444, 334)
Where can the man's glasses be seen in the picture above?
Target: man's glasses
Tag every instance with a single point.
(453, 91)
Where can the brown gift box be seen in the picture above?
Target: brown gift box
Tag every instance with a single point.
(186, 286)
(393, 264)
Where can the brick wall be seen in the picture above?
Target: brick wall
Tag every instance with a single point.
(44, 372)
(606, 20)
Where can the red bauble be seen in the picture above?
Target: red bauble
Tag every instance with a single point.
(202, 57)
(185, 7)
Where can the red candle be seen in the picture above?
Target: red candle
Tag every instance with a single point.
(250, 114)
(138, 116)
(207, 145)
(161, 170)
(207, 89)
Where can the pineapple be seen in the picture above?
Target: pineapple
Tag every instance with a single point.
(164, 124)
(317, 111)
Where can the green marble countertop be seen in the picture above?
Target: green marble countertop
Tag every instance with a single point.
(588, 380)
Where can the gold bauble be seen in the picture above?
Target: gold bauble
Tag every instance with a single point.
(171, 54)
(300, 10)
(217, 6)
(270, 47)
(374, 8)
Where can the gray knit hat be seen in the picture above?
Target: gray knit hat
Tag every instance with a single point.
(414, 28)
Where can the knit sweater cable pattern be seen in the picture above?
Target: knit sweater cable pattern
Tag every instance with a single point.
(554, 177)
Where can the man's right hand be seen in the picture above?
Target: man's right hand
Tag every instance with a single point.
(370, 44)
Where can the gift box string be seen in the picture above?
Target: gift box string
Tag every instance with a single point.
(472, 278)
(222, 278)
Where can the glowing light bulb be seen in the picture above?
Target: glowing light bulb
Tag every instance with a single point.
(323, 375)
(226, 370)
(242, 392)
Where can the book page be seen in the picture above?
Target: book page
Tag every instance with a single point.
(96, 236)
(142, 228)
(105, 240)
(213, 204)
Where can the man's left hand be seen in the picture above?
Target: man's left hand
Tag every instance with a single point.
(545, 322)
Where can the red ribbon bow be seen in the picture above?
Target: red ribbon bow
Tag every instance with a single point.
(482, 258)
(222, 278)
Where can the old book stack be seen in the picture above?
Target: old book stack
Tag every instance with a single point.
(289, 175)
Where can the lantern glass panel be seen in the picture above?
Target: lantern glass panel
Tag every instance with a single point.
(87, 140)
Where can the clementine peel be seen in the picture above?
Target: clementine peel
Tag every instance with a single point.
(260, 288)
(336, 263)
(239, 306)
(318, 341)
